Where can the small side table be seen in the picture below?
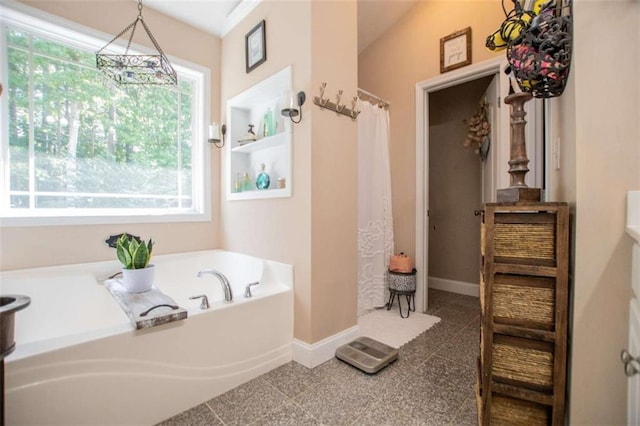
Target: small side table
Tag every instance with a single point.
(402, 284)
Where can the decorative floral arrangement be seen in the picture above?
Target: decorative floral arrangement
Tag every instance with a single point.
(478, 135)
(538, 44)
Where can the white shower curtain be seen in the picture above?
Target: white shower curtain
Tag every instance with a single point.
(375, 221)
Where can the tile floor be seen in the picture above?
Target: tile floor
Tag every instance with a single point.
(431, 383)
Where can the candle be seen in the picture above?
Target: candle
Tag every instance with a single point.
(214, 131)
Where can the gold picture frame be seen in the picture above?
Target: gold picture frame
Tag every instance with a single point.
(455, 50)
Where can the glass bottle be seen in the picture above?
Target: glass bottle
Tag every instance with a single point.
(265, 126)
(246, 182)
(271, 122)
(263, 180)
(268, 126)
(238, 182)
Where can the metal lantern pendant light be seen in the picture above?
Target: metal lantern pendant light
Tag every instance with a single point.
(137, 69)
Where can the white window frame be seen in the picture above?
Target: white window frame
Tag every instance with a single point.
(35, 21)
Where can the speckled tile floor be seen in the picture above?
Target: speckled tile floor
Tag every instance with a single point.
(431, 383)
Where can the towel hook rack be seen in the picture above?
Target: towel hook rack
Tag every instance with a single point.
(325, 103)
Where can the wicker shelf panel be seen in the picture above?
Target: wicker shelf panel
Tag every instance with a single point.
(515, 412)
(524, 296)
(525, 240)
(525, 303)
(522, 364)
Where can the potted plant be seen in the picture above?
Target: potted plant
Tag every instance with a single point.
(135, 254)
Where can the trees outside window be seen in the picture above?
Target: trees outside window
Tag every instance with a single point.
(77, 140)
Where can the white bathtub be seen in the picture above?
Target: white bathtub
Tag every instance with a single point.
(78, 359)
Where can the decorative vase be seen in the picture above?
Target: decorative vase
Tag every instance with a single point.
(402, 281)
(138, 280)
(263, 180)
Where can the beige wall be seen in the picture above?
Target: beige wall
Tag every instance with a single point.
(315, 229)
(408, 53)
(277, 229)
(607, 165)
(23, 247)
(597, 121)
(334, 165)
(455, 179)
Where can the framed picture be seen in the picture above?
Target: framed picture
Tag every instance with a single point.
(255, 44)
(455, 50)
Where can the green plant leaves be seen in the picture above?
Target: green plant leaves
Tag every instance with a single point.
(140, 256)
(122, 251)
(133, 254)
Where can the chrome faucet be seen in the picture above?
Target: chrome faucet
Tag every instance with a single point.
(247, 289)
(226, 287)
(204, 304)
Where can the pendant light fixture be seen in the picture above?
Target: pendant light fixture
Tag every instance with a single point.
(137, 69)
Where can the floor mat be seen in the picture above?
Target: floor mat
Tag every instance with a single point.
(387, 326)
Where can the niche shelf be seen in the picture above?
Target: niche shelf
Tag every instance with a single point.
(268, 142)
(273, 150)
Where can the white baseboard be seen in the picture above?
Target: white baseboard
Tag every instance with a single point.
(460, 287)
(312, 355)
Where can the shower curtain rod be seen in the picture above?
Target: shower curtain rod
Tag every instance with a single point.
(381, 102)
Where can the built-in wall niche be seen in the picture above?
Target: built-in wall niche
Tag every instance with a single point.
(244, 155)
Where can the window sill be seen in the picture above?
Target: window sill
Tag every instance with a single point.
(103, 217)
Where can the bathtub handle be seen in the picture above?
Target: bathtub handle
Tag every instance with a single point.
(247, 289)
(205, 301)
(145, 313)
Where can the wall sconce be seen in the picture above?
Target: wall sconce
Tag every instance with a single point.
(292, 110)
(214, 135)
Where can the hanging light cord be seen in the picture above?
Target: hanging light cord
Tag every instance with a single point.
(134, 24)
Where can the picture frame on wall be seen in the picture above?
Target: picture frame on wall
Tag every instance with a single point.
(455, 50)
(255, 42)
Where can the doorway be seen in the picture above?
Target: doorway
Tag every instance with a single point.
(456, 186)
(498, 155)
(495, 168)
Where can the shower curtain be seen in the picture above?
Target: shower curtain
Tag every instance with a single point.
(375, 220)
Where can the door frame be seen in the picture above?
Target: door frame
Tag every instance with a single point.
(423, 88)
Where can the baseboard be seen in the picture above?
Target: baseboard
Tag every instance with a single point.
(312, 355)
(460, 287)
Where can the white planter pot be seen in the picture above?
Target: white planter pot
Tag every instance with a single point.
(138, 280)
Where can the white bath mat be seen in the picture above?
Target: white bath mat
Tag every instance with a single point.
(387, 326)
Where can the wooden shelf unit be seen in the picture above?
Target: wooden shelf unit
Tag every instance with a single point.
(524, 298)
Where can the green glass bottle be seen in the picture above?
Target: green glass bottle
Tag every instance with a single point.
(246, 182)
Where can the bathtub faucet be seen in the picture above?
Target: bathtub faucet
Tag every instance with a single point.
(226, 287)
(247, 289)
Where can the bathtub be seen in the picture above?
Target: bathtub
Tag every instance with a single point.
(79, 360)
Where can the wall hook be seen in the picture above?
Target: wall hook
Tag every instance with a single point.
(354, 113)
(339, 107)
(323, 101)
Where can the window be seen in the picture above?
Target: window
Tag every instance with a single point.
(78, 145)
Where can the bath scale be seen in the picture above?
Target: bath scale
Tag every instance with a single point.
(367, 354)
